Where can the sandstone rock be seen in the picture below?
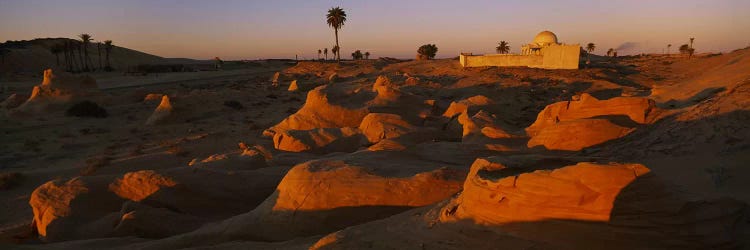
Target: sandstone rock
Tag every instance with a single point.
(139, 185)
(586, 205)
(152, 97)
(577, 134)
(64, 210)
(162, 112)
(137, 219)
(378, 126)
(322, 140)
(92, 206)
(57, 89)
(463, 106)
(638, 109)
(333, 78)
(328, 106)
(247, 159)
(293, 86)
(275, 79)
(326, 195)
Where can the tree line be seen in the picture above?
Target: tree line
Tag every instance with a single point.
(75, 54)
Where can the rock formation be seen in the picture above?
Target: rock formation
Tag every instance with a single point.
(162, 112)
(58, 89)
(587, 121)
(322, 140)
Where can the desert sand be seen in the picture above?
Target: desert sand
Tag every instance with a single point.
(631, 152)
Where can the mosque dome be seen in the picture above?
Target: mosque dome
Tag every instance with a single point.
(545, 38)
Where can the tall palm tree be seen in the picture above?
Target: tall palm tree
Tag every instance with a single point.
(108, 50)
(319, 52)
(336, 18)
(336, 51)
(85, 41)
(669, 46)
(325, 52)
(502, 47)
(367, 55)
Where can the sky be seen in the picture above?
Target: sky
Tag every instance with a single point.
(248, 29)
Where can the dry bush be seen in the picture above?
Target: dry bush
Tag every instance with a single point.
(87, 109)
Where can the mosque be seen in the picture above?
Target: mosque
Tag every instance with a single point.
(544, 52)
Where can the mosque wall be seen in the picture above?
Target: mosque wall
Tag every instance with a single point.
(551, 57)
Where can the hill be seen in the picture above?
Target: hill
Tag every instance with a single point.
(29, 57)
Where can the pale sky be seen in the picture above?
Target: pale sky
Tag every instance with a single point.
(246, 29)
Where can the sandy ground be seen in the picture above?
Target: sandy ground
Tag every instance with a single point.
(50, 145)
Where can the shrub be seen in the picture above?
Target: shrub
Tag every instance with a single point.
(428, 50)
(87, 109)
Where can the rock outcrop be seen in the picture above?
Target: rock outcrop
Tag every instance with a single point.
(322, 140)
(58, 89)
(574, 135)
(162, 112)
(638, 109)
(509, 202)
(105, 206)
(586, 121)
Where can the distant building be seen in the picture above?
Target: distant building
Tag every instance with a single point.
(544, 52)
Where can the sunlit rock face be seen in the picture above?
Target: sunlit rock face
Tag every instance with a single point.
(322, 140)
(536, 201)
(338, 105)
(497, 194)
(162, 112)
(637, 109)
(587, 121)
(129, 205)
(58, 88)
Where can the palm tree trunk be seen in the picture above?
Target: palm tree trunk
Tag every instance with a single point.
(338, 53)
(99, 50)
(57, 58)
(80, 57)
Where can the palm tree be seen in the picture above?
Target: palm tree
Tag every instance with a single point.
(319, 52)
(669, 46)
(335, 51)
(336, 18)
(325, 52)
(56, 50)
(107, 50)
(609, 52)
(589, 48)
(99, 53)
(367, 55)
(80, 55)
(85, 40)
(502, 47)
